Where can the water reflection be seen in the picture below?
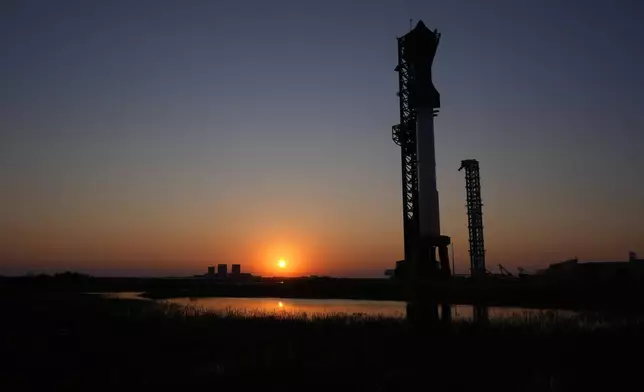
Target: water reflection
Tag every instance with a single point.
(314, 307)
(397, 309)
(296, 306)
(446, 312)
(481, 314)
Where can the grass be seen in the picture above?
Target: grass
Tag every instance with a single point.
(544, 321)
(62, 341)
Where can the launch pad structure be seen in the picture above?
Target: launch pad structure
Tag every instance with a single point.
(419, 103)
(474, 216)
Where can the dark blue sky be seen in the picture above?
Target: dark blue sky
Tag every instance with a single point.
(164, 135)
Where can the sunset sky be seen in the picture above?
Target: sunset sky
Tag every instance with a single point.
(159, 137)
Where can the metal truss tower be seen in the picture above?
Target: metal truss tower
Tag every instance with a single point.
(474, 215)
(419, 102)
(404, 135)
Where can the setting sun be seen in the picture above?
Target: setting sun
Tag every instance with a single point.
(281, 263)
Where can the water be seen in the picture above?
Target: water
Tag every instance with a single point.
(311, 307)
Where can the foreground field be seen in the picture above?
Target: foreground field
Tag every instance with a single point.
(86, 341)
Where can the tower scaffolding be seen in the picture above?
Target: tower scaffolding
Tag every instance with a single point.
(474, 216)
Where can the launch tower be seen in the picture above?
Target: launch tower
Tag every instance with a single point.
(419, 104)
(474, 215)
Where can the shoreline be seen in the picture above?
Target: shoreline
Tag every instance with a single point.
(618, 296)
(577, 298)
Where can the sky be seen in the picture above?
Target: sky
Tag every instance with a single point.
(159, 137)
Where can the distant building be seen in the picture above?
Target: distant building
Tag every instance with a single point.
(563, 266)
(222, 270)
(598, 270)
(399, 272)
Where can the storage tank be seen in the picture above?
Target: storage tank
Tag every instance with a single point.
(222, 270)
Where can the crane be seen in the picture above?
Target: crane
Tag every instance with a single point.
(505, 272)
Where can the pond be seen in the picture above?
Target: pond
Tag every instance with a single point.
(311, 307)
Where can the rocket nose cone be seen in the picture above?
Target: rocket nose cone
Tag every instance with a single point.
(422, 30)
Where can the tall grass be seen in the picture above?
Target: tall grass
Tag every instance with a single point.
(542, 321)
(90, 341)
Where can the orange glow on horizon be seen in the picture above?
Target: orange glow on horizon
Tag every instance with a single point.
(289, 254)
